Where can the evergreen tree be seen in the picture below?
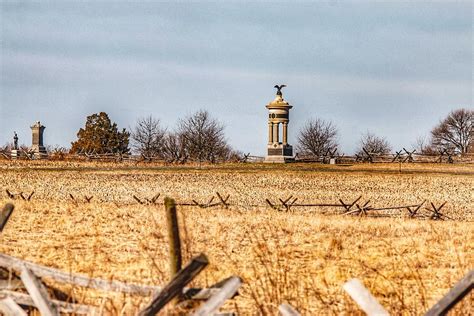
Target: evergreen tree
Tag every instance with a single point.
(101, 136)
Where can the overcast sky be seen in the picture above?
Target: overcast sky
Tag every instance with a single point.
(391, 68)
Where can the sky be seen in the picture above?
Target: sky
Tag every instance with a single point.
(392, 68)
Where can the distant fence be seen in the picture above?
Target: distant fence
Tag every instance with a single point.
(357, 207)
(401, 156)
(24, 276)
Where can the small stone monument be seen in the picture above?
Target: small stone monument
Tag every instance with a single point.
(37, 143)
(279, 114)
(15, 154)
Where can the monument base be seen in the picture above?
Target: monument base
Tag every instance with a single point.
(278, 159)
(40, 152)
(279, 153)
(15, 154)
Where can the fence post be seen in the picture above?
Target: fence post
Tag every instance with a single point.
(457, 293)
(10, 308)
(364, 299)
(38, 293)
(5, 215)
(229, 288)
(175, 286)
(173, 237)
(287, 310)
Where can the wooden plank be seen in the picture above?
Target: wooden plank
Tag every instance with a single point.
(174, 240)
(287, 310)
(100, 284)
(64, 307)
(5, 215)
(457, 293)
(226, 292)
(57, 275)
(38, 293)
(9, 307)
(175, 286)
(13, 284)
(364, 299)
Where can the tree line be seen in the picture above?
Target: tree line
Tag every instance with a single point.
(197, 137)
(454, 134)
(200, 137)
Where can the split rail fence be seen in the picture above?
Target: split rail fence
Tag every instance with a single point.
(27, 277)
(358, 207)
(401, 156)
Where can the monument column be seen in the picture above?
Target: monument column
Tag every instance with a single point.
(270, 133)
(37, 140)
(278, 113)
(276, 137)
(285, 133)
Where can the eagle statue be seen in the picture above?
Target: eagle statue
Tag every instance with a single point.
(279, 87)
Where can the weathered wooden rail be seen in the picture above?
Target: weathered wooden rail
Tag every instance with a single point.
(355, 207)
(401, 156)
(349, 208)
(29, 276)
(370, 305)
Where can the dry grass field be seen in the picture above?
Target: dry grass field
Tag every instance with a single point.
(301, 257)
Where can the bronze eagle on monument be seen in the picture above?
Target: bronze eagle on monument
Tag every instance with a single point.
(279, 87)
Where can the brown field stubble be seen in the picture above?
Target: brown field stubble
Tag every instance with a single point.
(300, 257)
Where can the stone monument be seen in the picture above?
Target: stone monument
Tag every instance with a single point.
(15, 154)
(278, 149)
(37, 144)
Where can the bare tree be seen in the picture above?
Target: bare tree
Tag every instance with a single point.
(5, 150)
(203, 137)
(57, 152)
(148, 137)
(455, 132)
(173, 148)
(317, 137)
(423, 146)
(373, 144)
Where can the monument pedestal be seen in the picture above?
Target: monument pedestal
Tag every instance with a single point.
(40, 152)
(15, 154)
(278, 159)
(279, 153)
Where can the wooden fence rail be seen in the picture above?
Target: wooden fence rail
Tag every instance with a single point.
(280, 204)
(228, 290)
(38, 296)
(456, 294)
(351, 208)
(30, 275)
(10, 308)
(287, 310)
(176, 286)
(5, 215)
(364, 299)
(401, 156)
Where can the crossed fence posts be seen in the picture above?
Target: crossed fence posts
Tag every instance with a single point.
(30, 276)
(356, 207)
(403, 155)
